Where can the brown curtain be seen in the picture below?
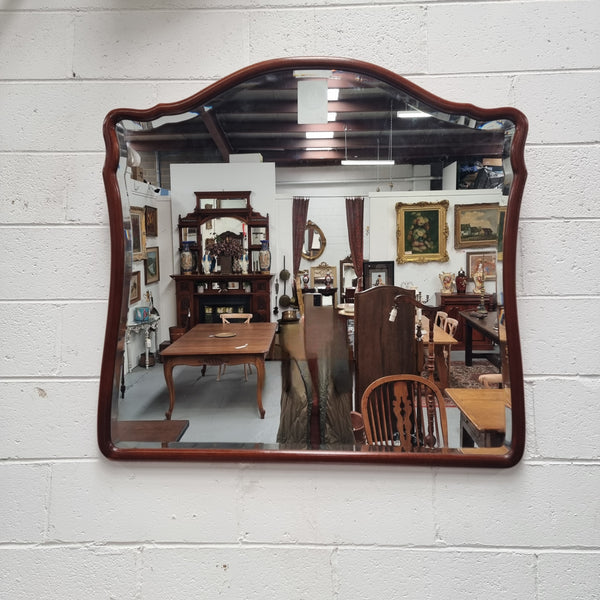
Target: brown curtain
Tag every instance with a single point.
(299, 212)
(354, 216)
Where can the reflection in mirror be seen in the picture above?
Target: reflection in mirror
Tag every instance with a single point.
(314, 242)
(419, 373)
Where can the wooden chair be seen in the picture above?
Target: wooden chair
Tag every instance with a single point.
(229, 318)
(440, 318)
(406, 411)
(490, 380)
(498, 380)
(450, 326)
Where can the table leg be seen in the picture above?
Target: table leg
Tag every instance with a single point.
(466, 441)
(468, 345)
(168, 370)
(260, 381)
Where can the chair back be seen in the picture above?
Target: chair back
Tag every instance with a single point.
(450, 326)
(440, 319)
(406, 411)
(236, 317)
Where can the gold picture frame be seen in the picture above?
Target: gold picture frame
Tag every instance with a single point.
(135, 288)
(422, 232)
(318, 274)
(138, 232)
(488, 262)
(476, 225)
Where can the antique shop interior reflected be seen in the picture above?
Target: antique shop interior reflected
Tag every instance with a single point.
(318, 359)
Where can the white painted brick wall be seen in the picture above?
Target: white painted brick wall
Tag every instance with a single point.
(73, 525)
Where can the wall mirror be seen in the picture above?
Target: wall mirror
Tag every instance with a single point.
(314, 241)
(253, 113)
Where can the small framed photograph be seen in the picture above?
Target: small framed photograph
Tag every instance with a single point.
(378, 273)
(138, 232)
(151, 215)
(233, 285)
(476, 225)
(135, 288)
(488, 261)
(421, 232)
(152, 268)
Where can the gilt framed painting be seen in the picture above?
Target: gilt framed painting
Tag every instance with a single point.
(476, 225)
(421, 231)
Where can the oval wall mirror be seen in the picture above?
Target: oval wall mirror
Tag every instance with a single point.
(203, 397)
(314, 241)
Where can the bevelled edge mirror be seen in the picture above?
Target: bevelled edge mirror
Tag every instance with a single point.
(120, 272)
(314, 241)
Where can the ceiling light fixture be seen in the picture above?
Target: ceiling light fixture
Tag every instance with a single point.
(412, 114)
(319, 135)
(374, 162)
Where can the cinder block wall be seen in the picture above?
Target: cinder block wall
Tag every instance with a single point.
(73, 525)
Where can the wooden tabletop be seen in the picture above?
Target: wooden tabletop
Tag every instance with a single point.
(487, 325)
(484, 407)
(250, 338)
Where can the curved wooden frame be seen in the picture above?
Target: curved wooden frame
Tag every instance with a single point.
(315, 227)
(119, 276)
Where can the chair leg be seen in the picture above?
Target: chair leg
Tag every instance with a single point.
(221, 371)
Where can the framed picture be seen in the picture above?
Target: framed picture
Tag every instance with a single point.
(378, 273)
(421, 231)
(488, 259)
(233, 285)
(501, 221)
(135, 288)
(476, 225)
(318, 275)
(152, 268)
(138, 232)
(151, 214)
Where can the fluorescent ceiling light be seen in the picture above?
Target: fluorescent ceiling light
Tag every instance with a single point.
(319, 135)
(331, 116)
(333, 94)
(349, 163)
(313, 74)
(318, 149)
(412, 114)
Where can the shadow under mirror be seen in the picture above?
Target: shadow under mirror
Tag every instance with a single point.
(225, 339)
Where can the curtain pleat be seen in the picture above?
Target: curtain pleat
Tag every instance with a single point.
(354, 216)
(299, 213)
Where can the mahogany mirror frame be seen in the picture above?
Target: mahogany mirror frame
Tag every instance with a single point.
(118, 291)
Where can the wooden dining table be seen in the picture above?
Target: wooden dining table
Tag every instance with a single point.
(482, 415)
(219, 344)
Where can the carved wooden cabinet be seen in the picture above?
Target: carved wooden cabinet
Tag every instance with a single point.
(201, 298)
(453, 304)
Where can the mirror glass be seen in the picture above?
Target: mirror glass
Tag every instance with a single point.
(314, 242)
(441, 184)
